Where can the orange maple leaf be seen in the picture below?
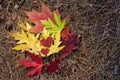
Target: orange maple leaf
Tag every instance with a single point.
(35, 17)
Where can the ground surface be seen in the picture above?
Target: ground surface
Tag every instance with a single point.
(97, 57)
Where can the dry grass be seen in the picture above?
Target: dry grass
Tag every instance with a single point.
(97, 57)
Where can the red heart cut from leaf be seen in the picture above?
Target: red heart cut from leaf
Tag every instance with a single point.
(45, 51)
(47, 42)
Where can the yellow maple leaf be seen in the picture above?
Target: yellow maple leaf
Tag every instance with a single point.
(27, 41)
(55, 47)
(25, 26)
(45, 33)
(31, 42)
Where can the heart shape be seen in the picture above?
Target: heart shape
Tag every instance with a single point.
(45, 51)
(47, 42)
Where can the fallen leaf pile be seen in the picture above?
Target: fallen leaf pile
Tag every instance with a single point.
(42, 42)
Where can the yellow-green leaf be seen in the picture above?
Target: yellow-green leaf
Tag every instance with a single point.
(55, 48)
(54, 27)
(27, 41)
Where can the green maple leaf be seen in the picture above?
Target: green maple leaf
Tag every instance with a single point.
(54, 27)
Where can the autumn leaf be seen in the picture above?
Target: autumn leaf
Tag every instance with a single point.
(55, 47)
(69, 44)
(35, 17)
(35, 64)
(46, 10)
(33, 57)
(45, 34)
(24, 25)
(37, 29)
(46, 37)
(52, 27)
(52, 66)
(27, 41)
(65, 32)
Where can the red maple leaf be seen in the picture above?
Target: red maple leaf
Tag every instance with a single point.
(35, 17)
(47, 12)
(52, 66)
(35, 64)
(65, 32)
(47, 42)
(69, 43)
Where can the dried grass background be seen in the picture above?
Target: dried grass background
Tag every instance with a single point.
(97, 56)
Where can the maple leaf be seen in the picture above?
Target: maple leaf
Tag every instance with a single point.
(52, 66)
(33, 56)
(35, 64)
(24, 25)
(46, 10)
(65, 32)
(52, 27)
(35, 17)
(55, 47)
(27, 41)
(36, 29)
(69, 44)
(45, 34)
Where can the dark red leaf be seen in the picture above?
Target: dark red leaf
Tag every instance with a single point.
(69, 44)
(66, 51)
(52, 66)
(65, 32)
